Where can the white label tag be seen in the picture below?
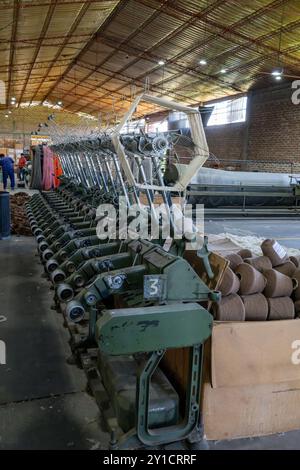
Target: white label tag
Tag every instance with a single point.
(279, 250)
(167, 244)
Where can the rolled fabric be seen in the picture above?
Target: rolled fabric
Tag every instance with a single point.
(297, 308)
(230, 308)
(296, 260)
(251, 280)
(256, 307)
(278, 284)
(245, 253)
(281, 308)
(296, 276)
(261, 263)
(230, 283)
(273, 250)
(234, 260)
(288, 268)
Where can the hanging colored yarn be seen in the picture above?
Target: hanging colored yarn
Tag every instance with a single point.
(48, 168)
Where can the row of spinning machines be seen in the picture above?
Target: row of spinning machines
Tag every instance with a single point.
(130, 299)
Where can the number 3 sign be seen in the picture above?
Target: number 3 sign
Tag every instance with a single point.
(154, 287)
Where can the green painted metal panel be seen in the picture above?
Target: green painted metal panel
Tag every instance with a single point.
(132, 330)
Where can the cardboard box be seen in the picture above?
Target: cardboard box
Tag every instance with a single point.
(232, 412)
(253, 353)
(252, 379)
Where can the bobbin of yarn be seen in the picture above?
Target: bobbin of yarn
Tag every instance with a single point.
(296, 276)
(245, 253)
(288, 268)
(230, 308)
(234, 260)
(230, 283)
(278, 284)
(251, 280)
(256, 307)
(295, 259)
(281, 308)
(261, 263)
(273, 250)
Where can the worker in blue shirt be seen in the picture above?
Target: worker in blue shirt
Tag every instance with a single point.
(7, 165)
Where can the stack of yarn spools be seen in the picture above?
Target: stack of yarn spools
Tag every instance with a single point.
(260, 288)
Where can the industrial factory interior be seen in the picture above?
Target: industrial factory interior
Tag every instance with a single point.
(150, 227)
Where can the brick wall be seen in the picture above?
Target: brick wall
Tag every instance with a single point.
(273, 166)
(226, 142)
(273, 134)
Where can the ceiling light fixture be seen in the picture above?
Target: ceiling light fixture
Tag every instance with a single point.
(277, 72)
(6, 115)
(278, 77)
(161, 62)
(59, 103)
(223, 71)
(202, 62)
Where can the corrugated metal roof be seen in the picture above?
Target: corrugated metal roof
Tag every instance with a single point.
(92, 53)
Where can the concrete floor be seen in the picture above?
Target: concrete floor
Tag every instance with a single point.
(43, 403)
